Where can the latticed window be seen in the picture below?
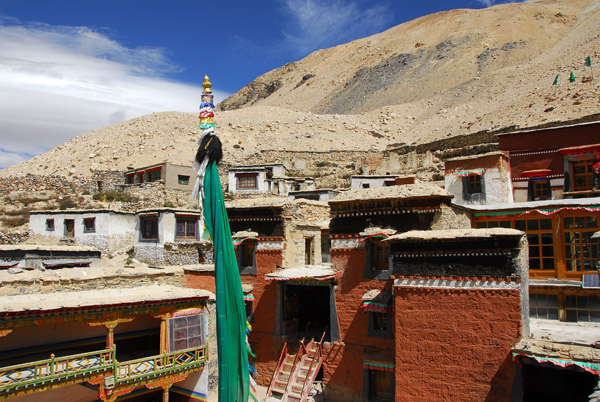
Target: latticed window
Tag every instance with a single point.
(580, 248)
(186, 332)
(583, 308)
(247, 180)
(149, 227)
(380, 253)
(541, 242)
(186, 227)
(473, 184)
(541, 190)
(543, 306)
(583, 175)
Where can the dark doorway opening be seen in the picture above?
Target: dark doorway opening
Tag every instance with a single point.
(306, 311)
(550, 384)
(69, 228)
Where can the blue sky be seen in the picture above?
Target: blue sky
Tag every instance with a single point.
(71, 66)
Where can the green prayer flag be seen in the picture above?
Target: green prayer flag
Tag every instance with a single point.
(556, 80)
(234, 375)
(588, 61)
(572, 79)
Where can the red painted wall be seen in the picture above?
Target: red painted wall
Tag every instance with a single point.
(200, 280)
(343, 364)
(455, 344)
(267, 346)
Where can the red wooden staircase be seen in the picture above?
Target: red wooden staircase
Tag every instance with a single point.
(295, 373)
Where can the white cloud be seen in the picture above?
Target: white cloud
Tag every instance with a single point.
(59, 82)
(316, 24)
(489, 3)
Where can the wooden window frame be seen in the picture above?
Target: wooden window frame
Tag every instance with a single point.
(189, 226)
(587, 175)
(247, 181)
(149, 227)
(50, 225)
(474, 184)
(584, 227)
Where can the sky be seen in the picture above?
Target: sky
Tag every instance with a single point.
(71, 66)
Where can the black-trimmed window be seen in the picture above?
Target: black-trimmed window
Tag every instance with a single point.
(50, 225)
(186, 332)
(380, 325)
(377, 265)
(154, 175)
(186, 228)
(379, 385)
(183, 179)
(474, 184)
(89, 225)
(247, 181)
(130, 178)
(149, 227)
(246, 257)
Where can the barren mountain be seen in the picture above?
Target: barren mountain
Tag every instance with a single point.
(442, 75)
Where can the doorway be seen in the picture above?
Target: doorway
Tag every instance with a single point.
(70, 228)
(306, 311)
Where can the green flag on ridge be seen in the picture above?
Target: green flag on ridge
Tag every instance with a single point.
(572, 79)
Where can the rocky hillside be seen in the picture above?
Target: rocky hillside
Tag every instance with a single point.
(439, 76)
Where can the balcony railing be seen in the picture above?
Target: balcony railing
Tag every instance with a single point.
(55, 370)
(40, 375)
(155, 366)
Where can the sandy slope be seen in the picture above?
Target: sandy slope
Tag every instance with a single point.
(474, 70)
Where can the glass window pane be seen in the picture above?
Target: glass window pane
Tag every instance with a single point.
(533, 312)
(505, 224)
(553, 300)
(534, 264)
(520, 225)
(582, 316)
(572, 315)
(547, 238)
(571, 301)
(545, 224)
(548, 263)
(553, 314)
(533, 224)
(594, 302)
(580, 221)
(533, 239)
(582, 302)
(548, 251)
(594, 316)
(534, 252)
(542, 312)
(591, 222)
(568, 223)
(480, 225)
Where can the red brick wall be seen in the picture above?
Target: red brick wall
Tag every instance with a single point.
(454, 345)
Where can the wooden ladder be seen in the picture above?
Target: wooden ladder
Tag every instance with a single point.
(295, 374)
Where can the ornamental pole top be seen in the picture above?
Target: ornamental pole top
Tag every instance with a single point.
(206, 85)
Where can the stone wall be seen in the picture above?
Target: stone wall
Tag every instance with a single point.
(122, 279)
(13, 237)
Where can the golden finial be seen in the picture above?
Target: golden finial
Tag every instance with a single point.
(206, 85)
